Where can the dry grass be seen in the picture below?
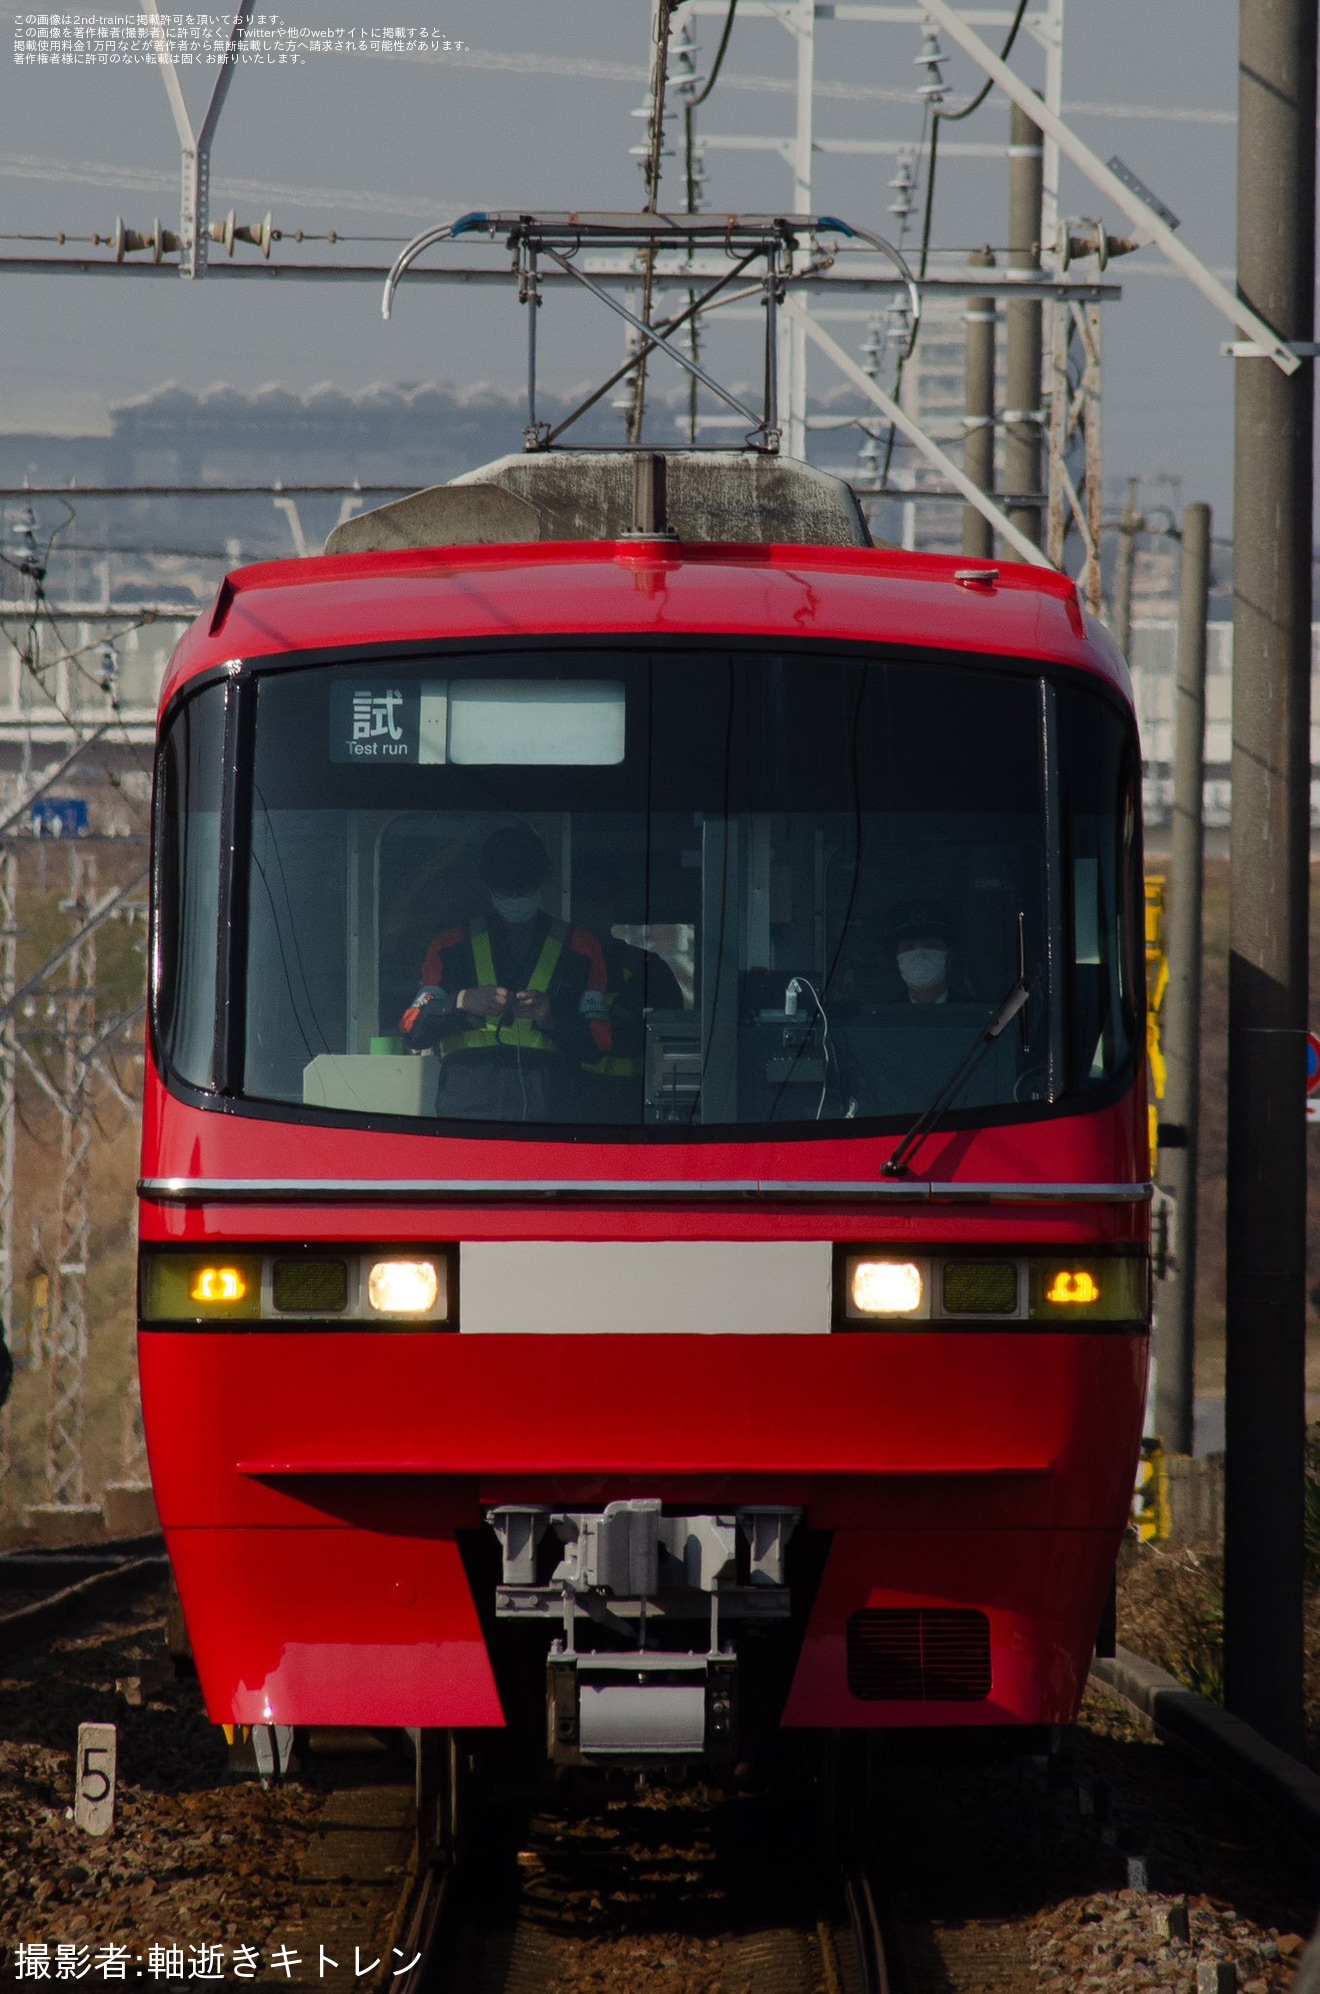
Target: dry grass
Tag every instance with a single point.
(1171, 1611)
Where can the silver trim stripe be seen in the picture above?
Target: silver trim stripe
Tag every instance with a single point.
(407, 1190)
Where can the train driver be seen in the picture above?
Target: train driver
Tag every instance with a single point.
(921, 934)
(514, 1002)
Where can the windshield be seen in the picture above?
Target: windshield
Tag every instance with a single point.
(605, 889)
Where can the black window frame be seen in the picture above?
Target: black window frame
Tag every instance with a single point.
(240, 677)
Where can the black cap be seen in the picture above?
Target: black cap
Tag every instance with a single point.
(514, 859)
(919, 917)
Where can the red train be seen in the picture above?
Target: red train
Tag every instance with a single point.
(644, 1222)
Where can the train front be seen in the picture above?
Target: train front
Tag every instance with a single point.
(691, 1278)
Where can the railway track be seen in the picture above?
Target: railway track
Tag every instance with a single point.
(45, 1592)
(931, 1879)
(681, 1890)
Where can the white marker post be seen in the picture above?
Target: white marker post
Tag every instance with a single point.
(94, 1778)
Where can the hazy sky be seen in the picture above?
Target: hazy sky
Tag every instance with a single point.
(539, 114)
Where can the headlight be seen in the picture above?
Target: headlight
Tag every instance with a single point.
(403, 1287)
(887, 1287)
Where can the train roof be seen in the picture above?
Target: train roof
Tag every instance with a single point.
(639, 589)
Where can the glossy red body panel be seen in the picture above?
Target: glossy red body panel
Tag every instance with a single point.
(821, 594)
(1107, 1146)
(410, 1650)
(314, 1486)
(992, 1470)
(1017, 1410)
(1038, 1589)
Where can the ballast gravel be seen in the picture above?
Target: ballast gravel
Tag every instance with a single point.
(193, 1859)
(198, 1858)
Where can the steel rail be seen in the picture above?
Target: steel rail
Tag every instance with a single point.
(867, 1932)
(426, 1927)
(43, 1617)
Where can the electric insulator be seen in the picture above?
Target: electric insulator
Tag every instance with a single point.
(932, 90)
(109, 667)
(224, 232)
(682, 74)
(898, 324)
(698, 175)
(125, 241)
(259, 234)
(164, 242)
(904, 187)
(24, 530)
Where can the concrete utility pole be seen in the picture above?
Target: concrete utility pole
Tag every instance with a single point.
(978, 538)
(1022, 377)
(1175, 1322)
(1268, 941)
(1128, 528)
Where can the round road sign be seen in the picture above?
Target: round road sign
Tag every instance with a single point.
(1312, 1062)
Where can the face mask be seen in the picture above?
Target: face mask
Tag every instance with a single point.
(516, 907)
(922, 969)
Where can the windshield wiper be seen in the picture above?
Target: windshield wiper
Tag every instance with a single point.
(897, 1165)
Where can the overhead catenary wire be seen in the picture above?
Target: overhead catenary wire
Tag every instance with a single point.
(716, 66)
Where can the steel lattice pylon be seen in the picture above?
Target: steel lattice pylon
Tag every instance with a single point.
(68, 1356)
(1075, 489)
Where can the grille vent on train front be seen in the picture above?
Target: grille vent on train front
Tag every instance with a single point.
(924, 1654)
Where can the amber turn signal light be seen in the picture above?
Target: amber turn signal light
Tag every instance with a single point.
(1073, 1286)
(218, 1284)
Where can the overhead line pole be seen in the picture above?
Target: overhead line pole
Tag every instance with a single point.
(1175, 1318)
(1270, 847)
(1129, 525)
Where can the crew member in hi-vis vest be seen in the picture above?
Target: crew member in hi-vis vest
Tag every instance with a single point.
(515, 1004)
